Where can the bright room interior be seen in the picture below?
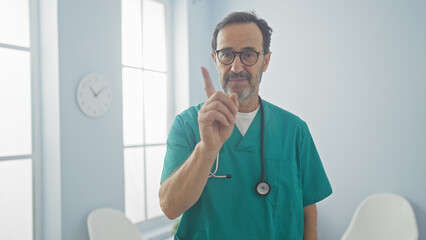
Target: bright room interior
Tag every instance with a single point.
(353, 70)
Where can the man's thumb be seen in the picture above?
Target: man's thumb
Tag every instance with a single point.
(234, 98)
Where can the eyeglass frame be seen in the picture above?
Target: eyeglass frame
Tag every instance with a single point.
(234, 53)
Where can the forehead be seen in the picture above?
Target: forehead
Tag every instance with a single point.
(238, 36)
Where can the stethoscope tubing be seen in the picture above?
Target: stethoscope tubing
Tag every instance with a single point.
(262, 188)
(262, 139)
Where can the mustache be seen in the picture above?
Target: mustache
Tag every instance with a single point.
(237, 75)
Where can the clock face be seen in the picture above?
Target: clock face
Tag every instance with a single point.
(94, 95)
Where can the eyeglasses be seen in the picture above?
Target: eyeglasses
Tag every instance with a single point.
(248, 57)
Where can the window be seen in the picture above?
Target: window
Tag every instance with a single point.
(16, 125)
(145, 104)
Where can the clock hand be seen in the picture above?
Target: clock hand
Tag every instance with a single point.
(102, 89)
(93, 91)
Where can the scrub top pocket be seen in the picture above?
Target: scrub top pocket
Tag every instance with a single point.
(283, 178)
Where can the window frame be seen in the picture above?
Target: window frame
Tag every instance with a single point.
(149, 224)
(35, 155)
(36, 120)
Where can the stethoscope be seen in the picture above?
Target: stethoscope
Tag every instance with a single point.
(262, 187)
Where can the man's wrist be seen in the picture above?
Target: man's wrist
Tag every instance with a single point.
(209, 153)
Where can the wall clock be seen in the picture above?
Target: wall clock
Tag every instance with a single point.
(94, 95)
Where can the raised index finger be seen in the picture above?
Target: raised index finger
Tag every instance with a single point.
(208, 86)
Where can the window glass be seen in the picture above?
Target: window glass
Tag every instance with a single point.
(15, 22)
(131, 27)
(154, 166)
(16, 199)
(134, 184)
(154, 36)
(132, 106)
(156, 107)
(15, 102)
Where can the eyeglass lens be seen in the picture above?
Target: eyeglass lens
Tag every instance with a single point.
(247, 57)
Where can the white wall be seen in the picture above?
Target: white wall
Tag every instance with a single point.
(87, 160)
(199, 32)
(354, 71)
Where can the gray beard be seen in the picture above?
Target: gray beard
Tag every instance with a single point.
(244, 95)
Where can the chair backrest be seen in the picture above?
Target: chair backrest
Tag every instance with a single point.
(110, 224)
(383, 216)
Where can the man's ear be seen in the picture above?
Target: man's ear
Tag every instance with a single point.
(214, 58)
(266, 61)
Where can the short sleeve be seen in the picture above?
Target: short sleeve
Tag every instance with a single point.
(315, 184)
(178, 148)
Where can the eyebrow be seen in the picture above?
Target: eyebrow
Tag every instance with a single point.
(248, 48)
(226, 48)
(242, 50)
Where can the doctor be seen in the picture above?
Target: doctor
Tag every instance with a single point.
(237, 166)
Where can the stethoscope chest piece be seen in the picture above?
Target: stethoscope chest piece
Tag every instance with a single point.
(263, 188)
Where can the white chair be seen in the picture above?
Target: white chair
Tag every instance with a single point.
(110, 224)
(383, 216)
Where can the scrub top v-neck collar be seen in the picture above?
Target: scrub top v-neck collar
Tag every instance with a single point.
(251, 139)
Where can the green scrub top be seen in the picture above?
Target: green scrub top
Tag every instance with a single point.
(230, 208)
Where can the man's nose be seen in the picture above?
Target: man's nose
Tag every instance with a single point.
(237, 65)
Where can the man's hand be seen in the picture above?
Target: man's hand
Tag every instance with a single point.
(183, 188)
(217, 115)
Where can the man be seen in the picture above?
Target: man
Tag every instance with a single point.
(242, 197)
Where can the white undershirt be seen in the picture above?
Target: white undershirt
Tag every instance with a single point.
(243, 120)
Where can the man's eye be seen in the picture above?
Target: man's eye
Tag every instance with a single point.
(226, 54)
(249, 55)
